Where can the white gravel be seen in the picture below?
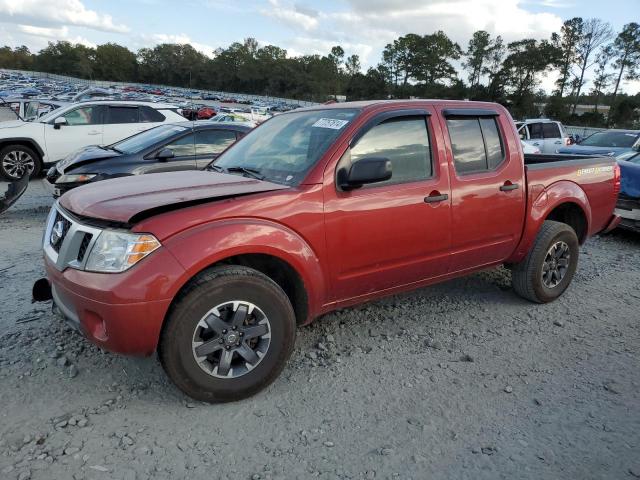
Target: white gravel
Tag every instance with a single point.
(462, 380)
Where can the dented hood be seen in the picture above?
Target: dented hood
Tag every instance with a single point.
(130, 199)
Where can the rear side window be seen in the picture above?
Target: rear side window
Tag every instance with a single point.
(212, 142)
(551, 130)
(150, 115)
(476, 144)
(123, 115)
(535, 131)
(404, 141)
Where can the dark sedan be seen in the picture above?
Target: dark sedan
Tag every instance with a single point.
(166, 148)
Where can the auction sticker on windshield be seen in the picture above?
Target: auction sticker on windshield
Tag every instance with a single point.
(332, 123)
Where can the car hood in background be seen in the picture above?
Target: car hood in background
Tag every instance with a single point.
(130, 199)
(586, 150)
(13, 124)
(85, 155)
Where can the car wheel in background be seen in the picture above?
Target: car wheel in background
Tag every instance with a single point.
(546, 272)
(228, 334)
(17, 161)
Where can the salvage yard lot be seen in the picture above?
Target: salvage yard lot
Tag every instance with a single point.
(460, 380)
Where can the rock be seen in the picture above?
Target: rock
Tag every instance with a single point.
(61, 424)
(466, 358)
(312, 355)
(537, 401)
(489, 450)
(256, 476)
(99, 468)
(62, 361)
(370, 474)
(634, 471)
(431, 343)
(127, 441)
(386, 451)
(71, 450)
(612, 386)
(83, 422)
(329, 444)
(329, 338)
(508, 389)
(25, 475)
(558, 323)
(73, 371)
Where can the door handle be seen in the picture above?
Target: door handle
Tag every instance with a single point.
(508, 186)
(537, 144)
(94, 133)
(436, 197)
(558, 142)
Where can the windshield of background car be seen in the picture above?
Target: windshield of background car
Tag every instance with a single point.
(611, 139)
(284, 148)
(139, 142)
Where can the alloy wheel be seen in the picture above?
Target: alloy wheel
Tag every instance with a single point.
(556, 264)
(231, 339)
(18, 163)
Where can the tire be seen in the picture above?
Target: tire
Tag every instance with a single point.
(15, 160)
(528, 276)
(205, 377)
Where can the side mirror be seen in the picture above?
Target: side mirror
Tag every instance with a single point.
(165, 154)
(58, 122)
(367, 170)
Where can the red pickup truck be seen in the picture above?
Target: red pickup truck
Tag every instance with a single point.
(314, 210)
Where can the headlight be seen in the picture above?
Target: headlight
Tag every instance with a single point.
(85, 177)
(118, 251)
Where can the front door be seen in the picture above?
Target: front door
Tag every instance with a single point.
(210, 144)
(488, 191)
(395, 232)
(184, 157)
(84, 127)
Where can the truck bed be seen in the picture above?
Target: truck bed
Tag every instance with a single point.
(591, 173)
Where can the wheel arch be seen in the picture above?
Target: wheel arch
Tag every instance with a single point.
(25, 142)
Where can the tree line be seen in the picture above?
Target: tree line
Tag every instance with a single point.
(591, 61)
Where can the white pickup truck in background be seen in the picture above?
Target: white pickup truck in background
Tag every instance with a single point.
(547, 135)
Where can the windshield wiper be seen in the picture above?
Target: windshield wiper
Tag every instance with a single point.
(215, 168)
(250, 172)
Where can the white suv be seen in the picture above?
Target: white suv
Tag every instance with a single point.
(26, 147)
(547, 135)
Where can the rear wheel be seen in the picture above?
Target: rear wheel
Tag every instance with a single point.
(17, 161)
(228, 335)
(548, 269)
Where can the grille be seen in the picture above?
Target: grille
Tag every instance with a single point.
(84, 245)
(65, 229)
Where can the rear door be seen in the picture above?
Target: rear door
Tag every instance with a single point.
(387, 234)
(552, 137)
(122, 121)
(84, 127)
(210, 144)
(487, 187)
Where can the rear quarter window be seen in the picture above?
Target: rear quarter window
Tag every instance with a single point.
(476, 144)
(150, 115)
(551, 130)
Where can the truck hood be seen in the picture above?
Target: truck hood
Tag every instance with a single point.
(84, 156)
(128, 200)
(586, 150)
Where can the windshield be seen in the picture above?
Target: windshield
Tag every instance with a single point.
(139, 142)
(284, 148)
(611, 139)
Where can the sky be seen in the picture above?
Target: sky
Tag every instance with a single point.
(361, 27)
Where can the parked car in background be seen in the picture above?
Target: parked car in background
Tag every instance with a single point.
(26, 147)
(232, 118)
(547, 135)
(628, 205)
(166, 148)
(29, 109)
(529, 149)
(314, 210)
(607, 142)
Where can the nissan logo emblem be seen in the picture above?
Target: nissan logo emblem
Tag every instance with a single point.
(57, 232)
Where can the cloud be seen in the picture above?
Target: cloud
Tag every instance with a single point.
(296, 16)
(57, 12)
(181, 38)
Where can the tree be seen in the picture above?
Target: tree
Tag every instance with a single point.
(431, 60)
(352, 65)
(477, 54)
(567, 42)
(602, 77)
(627, 54)
(495, 71)
(595, 33)
(114, 62)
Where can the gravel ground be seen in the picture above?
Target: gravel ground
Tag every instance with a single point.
(461, 380)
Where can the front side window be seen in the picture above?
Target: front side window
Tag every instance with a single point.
(212, 142)
(183, 147)
(284, 148)
(83, 116)
(404, 141)
(476, 144)
(123, 115)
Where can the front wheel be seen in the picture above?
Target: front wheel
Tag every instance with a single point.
(228, 335)
(547, 270)
(17, 161)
